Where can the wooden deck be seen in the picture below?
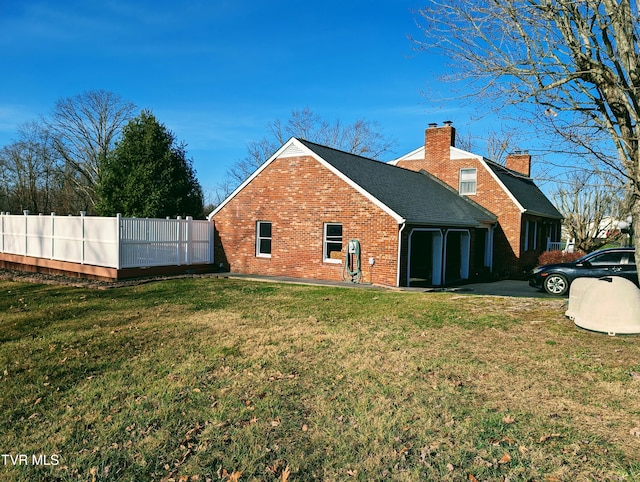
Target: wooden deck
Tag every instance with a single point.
(50, 266)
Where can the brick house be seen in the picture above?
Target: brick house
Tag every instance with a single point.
(296, 215)
(527, 220)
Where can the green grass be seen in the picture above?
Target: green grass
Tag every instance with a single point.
(202, 378)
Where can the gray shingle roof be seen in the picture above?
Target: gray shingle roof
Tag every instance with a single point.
(525, 191)
(415, 196)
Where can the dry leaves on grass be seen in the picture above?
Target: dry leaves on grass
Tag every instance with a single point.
(285, 473)
(234, 476)
(544, 438)
(508, 419)
(506, 458)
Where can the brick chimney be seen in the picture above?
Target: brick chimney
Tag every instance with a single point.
(437, 141)
(519, 162)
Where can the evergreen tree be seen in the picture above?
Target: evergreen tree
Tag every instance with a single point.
(148, 174)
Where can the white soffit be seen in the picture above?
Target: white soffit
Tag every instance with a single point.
(455, 153)
(415, 155)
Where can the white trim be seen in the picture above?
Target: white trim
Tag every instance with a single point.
(259, 238)
(303, 150)
(437, 256)
(397, 218)
(325, 242)
(455, 153)
(415, 155)
(530, 225)
(465, 255)
(262, 167)
(404, 225)
(501, 184)
(488, 249)
(475, 181)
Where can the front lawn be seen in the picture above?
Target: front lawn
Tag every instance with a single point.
(213, 379)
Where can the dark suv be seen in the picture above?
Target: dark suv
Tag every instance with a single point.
(555, 279)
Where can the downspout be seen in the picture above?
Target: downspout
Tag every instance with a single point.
(404, 224)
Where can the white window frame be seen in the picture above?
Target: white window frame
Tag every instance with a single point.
(326, 240)
(531, 231)
(260, 238)
(466, 182)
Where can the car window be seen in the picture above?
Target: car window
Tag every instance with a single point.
(606, 258)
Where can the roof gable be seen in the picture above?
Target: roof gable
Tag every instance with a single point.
(407, 196)
(524, 190)
(414, 196)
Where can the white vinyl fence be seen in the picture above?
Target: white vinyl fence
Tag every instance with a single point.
(114, 242)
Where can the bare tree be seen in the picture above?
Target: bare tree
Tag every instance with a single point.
(363, 138)
(29, 170)
(85, 128)
(591, 205)
(496, 145)
(571, 66)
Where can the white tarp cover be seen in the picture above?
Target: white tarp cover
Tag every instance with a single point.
(608, 305)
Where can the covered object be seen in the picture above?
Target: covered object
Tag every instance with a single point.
(609, 305)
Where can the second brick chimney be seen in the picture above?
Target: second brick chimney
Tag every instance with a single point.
(519, 162)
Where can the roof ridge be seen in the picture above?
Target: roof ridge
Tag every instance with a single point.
(306, 142)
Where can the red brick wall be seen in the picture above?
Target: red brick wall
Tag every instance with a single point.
(489, 194)
(298, 195)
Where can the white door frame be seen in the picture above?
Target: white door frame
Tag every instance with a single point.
(465, 251)
(437, 258)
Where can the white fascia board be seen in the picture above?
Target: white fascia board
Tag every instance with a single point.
(262, 167)
(305, 151)
(445, 223)
(504, 188)
(416, 154)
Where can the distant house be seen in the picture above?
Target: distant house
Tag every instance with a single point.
(527, 221)
(303, 211)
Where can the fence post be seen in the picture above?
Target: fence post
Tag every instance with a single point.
(82, 215)
(119, 239)
(179, 243)
(2, 233)
(26, 232)
(189, 240)
(53, 234)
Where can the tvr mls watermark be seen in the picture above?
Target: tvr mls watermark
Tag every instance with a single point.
(30, 459)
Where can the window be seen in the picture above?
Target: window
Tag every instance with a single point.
(468, 179)
(332, 243)
(607, 259)
(263, 239)
(531, 236)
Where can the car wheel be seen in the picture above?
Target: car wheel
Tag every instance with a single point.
(556, 284)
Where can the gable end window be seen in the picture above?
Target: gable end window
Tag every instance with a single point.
(263, 239)
(332, 243)
(468, 180)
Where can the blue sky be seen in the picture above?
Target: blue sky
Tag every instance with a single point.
(217, 72)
